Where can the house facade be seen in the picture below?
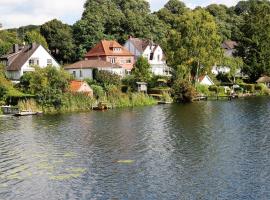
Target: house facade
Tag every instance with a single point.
(112, 52)
(22, 59)
(152, 52)
(229, 48)
(205, 80)
(84, 69)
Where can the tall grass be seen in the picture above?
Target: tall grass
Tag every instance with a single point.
(29, 104)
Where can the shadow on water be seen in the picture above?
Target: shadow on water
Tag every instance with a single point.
(204, 150)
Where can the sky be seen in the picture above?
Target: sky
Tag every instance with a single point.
(16, 13)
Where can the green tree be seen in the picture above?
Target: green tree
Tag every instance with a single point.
(142, 70)
(35, 36)
(254, 45)
(60, 40)
(48, 84)
(227, 20)
(105, 78)
(235, 64)
(7, 39)
(122, 19)
(194, 46)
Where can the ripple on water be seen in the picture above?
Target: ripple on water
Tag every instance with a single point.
(206, 150)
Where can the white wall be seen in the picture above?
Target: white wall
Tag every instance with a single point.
(206, 81)
(42, 55)
(86, 73)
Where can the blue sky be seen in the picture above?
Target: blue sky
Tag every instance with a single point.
(15, 13)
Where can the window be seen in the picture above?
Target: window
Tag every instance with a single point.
(113, 60)
(122, 61)
(117, 49)
(151, 56)
(74, 73)
(129, 60)
(158, 57)
(33, 61)
(49, 62)
(81, 74)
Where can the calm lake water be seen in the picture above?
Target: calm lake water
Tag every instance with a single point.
(205, 150)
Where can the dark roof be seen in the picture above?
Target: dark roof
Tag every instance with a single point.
(88, 64)
(105, 48)
(264, 79)
(18, 59)
(142, 44)
(229, 44)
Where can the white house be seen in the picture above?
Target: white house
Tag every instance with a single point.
(205, 80)
(84, 69)
(22, 60)
(229, 49)
(152, 52)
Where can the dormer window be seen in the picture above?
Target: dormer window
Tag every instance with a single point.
(116, 49)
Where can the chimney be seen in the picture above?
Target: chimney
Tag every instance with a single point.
(15, 48)
(33, 45)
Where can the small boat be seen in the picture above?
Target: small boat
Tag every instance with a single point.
(27, 113)
(165, 102)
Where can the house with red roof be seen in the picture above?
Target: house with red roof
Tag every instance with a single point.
(80, 87)
(112, 52)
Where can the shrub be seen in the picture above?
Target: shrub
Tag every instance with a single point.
(98, 91)
(202, 89)
(248, 87)
(183, 91)
(213, 88)
(107, 78)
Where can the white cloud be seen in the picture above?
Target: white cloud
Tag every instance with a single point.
(15, 13)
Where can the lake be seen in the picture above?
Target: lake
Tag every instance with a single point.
(204, 150)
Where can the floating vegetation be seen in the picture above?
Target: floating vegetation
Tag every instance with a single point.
(3, 185)
(70, 154)
(14, 177)
(125, 161)
(63, 177)
(79, 170)
(57, 161)
(45, 166)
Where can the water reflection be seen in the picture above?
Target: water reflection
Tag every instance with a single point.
(207, 150)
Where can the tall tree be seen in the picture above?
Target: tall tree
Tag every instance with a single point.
(254, 45)
(7, 39)
(194, 46)
(34, 36)
(122, 19)
(60, 40)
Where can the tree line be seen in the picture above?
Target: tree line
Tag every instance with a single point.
(191, 38)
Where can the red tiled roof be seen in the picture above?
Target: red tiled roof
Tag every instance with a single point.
(105, 48)
(75, 85)
(89, 64)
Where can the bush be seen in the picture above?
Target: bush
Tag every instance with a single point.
(107, 78)
(213, 88)
(183, 91)
(248, 87)
(98, 91)
(202, 89)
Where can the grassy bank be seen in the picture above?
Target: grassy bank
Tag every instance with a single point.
(80, 102)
